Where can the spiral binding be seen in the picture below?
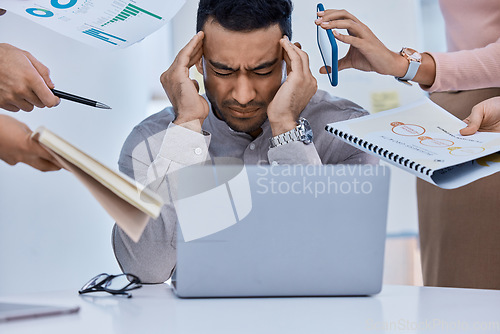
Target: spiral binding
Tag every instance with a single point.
(381, 151)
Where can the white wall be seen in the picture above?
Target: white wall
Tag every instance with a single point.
(53, 234)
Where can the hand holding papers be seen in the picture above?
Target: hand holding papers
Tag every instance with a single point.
(424, 140)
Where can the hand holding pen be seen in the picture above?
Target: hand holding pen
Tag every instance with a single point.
(79, 99)
(25, 83)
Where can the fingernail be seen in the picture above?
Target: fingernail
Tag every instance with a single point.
(318, 21)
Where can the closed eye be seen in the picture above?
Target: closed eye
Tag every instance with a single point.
(222, 74)
(264, 74)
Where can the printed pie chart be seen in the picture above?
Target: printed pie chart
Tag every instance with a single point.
(436, 142)
(408, 130)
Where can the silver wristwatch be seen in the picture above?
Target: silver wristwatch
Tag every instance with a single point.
(302, 132)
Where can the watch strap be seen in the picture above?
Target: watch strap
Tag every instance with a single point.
(302, 132)
(411, 72)
(284, 138)
(414, 61)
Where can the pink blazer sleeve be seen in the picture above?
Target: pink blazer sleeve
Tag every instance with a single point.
(467, 69)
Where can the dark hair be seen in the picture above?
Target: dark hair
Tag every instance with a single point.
(246, 15)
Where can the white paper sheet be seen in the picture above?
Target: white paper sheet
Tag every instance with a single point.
(111, 24)
(427, 136)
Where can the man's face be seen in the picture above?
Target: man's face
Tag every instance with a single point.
(243, 72)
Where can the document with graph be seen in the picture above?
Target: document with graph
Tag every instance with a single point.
(101, 23)
(424, 139)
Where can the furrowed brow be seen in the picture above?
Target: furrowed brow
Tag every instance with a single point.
(264, 65)
(221, 66)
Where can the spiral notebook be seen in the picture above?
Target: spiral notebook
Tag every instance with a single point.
(424, 139)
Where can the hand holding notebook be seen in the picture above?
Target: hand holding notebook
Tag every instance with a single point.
(128, 202)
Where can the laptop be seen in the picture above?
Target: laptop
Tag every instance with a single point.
(281, 231)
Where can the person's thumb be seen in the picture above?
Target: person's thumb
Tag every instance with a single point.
(343, 64)
(473, 122)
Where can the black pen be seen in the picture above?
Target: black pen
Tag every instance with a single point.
(79, 99)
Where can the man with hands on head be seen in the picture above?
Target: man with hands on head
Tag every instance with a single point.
(260, 93)
(24, 84)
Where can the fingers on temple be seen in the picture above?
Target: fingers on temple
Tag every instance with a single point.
(192, 52)
(297, 60)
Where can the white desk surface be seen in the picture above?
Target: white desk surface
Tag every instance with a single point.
(155, 309)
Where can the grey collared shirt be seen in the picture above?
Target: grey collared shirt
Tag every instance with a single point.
(157, 147)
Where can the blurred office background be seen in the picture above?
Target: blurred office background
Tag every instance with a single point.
(54, 235)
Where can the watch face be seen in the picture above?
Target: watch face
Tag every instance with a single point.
(306, 133)
(417, 56)
(412, 54)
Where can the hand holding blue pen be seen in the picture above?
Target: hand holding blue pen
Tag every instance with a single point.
(366, 51)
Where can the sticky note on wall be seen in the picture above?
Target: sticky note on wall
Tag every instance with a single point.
(384, 100)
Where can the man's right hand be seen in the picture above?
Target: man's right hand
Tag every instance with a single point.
(191, 108)
(24, 81)
(16, 145)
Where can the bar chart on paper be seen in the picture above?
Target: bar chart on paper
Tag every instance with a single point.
(101, 23)
(131, 10)
(103, 36)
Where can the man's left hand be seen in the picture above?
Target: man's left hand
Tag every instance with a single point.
(295, 93)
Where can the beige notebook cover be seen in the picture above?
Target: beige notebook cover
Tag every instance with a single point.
(128, 202)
